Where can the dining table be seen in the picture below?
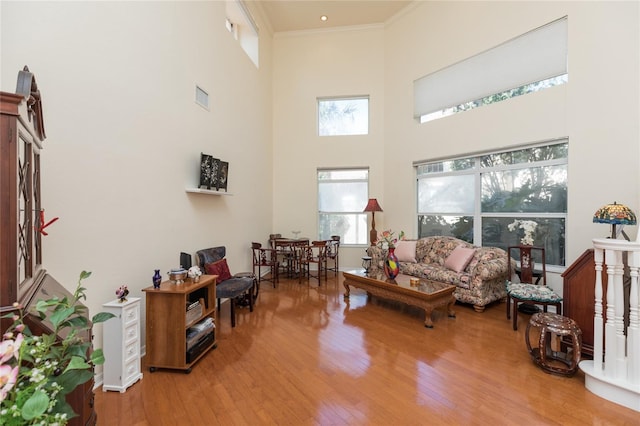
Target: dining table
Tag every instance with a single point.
(286, 249)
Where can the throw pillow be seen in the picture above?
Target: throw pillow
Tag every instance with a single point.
(459, 258)
(406, 251)
(219, 268)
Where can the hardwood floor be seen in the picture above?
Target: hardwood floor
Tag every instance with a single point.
(305, 356)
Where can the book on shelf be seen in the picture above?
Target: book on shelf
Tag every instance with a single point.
(198, 331)
(194, 311)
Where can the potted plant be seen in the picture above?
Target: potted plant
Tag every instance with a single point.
(38, 371)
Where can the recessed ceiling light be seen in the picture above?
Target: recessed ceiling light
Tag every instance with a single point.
(323, 18)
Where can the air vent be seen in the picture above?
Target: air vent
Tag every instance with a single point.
(202, 98)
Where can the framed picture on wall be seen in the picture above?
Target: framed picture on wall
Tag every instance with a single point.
(209, 167)
(223, 176)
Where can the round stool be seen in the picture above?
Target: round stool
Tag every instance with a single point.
(556, 333)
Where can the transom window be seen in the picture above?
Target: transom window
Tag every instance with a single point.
(476, 198)
(343, 116)
(342, 197)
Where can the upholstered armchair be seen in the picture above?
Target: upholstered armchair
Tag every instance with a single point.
(236, 288)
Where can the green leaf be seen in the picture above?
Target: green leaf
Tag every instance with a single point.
(77, 363)
(84, 275)
(35, 406)
(79, 350)
(76, 322)
(102, 317)
(60, 315)
(69, 380)
(97, 357)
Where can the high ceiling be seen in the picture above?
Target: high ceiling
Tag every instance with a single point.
(297, 15)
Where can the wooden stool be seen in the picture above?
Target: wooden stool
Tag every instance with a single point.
(550, 360)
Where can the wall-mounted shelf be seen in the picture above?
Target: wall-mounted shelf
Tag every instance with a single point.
(206, 191)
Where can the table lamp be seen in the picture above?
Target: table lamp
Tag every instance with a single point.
(373, 207)
(615, 214)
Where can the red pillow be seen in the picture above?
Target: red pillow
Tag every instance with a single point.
(219, 268)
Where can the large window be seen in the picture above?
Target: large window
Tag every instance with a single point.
(342, 197)
(343, 116)
(477, 198)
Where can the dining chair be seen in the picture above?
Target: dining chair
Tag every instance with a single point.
(265, 258)
(333, 249)
(316, 253)
(527, 292)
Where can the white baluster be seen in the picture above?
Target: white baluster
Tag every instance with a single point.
(610, 355)
(598, 320)
(633, 332)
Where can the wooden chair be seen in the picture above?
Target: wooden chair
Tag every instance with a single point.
(526, 292)
(265, 258)
(333, 249)
(309, 254)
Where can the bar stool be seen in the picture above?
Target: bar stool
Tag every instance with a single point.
(556, 333)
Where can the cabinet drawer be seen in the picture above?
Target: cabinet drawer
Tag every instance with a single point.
(131, 369)
(131, 314)
(131, 333)
(131, 350)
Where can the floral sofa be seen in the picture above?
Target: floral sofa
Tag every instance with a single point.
(481, 277)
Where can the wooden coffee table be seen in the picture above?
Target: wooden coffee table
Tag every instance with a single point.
(427, 295)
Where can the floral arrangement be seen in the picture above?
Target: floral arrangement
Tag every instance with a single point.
(37, 372)
(388, 239)
(122, 292)
(194, 272)
(529, 228)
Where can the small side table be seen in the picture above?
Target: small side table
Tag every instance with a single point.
(121, 345)
(549, 354)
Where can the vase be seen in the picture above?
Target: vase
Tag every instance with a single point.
(526, 264)
(391, 266)
(157, 278)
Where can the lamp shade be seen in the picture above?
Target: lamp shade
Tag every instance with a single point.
(373, 206)
(617, 214)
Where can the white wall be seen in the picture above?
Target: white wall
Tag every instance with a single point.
(598, 109)
(308, 65)
(125, 135)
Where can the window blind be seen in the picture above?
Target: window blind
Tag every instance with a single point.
(534, 56)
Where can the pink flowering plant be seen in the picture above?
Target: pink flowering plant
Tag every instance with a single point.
(388, 239)
(38, 371)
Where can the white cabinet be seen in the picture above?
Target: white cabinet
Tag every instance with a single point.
(121, 345)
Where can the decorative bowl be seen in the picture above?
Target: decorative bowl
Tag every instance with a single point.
(177, 276)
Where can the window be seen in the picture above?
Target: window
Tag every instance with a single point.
(343, 116)
(243, 28)
(530, 62)
(342, 197)
(508, 94)
(476, 198)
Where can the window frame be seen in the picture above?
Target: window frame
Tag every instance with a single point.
(321, 99)
(478, 216)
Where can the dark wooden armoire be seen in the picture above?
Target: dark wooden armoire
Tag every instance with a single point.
(23, 277)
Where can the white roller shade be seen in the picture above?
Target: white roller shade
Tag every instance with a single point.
(534, 56)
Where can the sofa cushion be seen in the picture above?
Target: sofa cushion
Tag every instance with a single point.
(219, 268)
(406, 251)
(459, 258)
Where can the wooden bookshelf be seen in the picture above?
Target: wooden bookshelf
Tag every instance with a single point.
(167, 324)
